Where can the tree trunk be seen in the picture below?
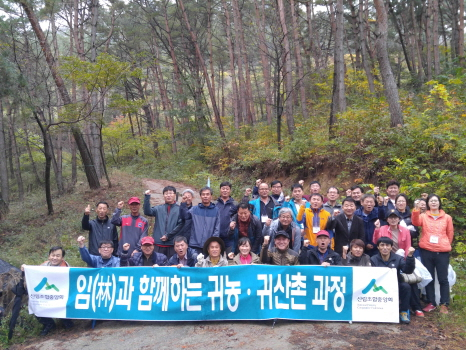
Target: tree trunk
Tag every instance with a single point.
(461, 33)
(362, 41)
(299, 62)
(89, 169)
(235, 94)
(339, 89)
(287, 73)
(38, 115)
(5, 189)
(15, 155)
(260, 19)
(429, 44)
(243, 103)
(390, 89)
(206, 76)
(435, 37)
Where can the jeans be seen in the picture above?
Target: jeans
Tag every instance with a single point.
(437, 261)
(404, 292)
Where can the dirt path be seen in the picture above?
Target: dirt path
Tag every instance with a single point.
(422, 333)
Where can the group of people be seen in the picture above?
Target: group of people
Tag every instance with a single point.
(267, 227)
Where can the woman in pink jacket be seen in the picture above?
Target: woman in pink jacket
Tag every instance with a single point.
(435, 245)
(400, 235)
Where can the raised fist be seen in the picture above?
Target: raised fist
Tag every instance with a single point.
(120, 204)
(87, 210)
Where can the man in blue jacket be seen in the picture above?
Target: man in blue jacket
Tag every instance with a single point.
(100, 229)
(226, 205)
(167, 220)
(184, 256)
(147, 256)
(369, 213)
(265, 207)
(205, 220)
(105, 257)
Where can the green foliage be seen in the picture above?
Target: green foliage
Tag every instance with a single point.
(26, 326)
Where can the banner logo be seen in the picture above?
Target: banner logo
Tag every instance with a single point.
(45, 284)
(374, 288)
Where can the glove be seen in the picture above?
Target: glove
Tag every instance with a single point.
(200, 257)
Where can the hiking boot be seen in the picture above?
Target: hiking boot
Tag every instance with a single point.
(404, 317)
(47, 328)
(430, 307)
(443, 309)
(419, 313)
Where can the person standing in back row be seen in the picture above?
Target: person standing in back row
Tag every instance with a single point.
(100, 229)
(133, 227)
(167, 220)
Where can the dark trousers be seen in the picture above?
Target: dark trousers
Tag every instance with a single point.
(437, 261)
(404, 293)
(167, 251)
(50, 323)
(415, 301)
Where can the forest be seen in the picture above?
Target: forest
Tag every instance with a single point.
(363, 91)
(344, 92)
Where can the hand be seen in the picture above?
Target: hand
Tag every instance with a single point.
(379, 200)
(179, 266)
(87, 210)
(147, 192)
(345, 249)
(126, 247)
(336, 212)
(348, 192)
(81, 241)
(184, 199)
(134, 251)
(301, 182)
(22, 267)
(369, 246)
(411, 251)
(377, 223)
(231, 255)
(155, 265)
(325, 264)
(258, 182)
(266, 240)
(385, 200)
(306, 242)
(248, 192)
(164, 238)
(232, 225)
(287, 198)
(120, 204)
(268, 222)
(200, 257)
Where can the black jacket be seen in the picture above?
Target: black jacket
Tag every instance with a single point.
(100, 230)
(395, 262)
(191, 256)
(311, 257)
(340, 228)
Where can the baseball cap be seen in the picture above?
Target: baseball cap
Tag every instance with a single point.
(394, 212)
(147, 240)
(282, 233)
(322, 233)
(134, 200)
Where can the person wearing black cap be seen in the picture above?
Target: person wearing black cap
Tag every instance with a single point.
(280, 254)
(320, 255)
(214, 250)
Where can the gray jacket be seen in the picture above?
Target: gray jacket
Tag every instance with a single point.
(272, 231)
